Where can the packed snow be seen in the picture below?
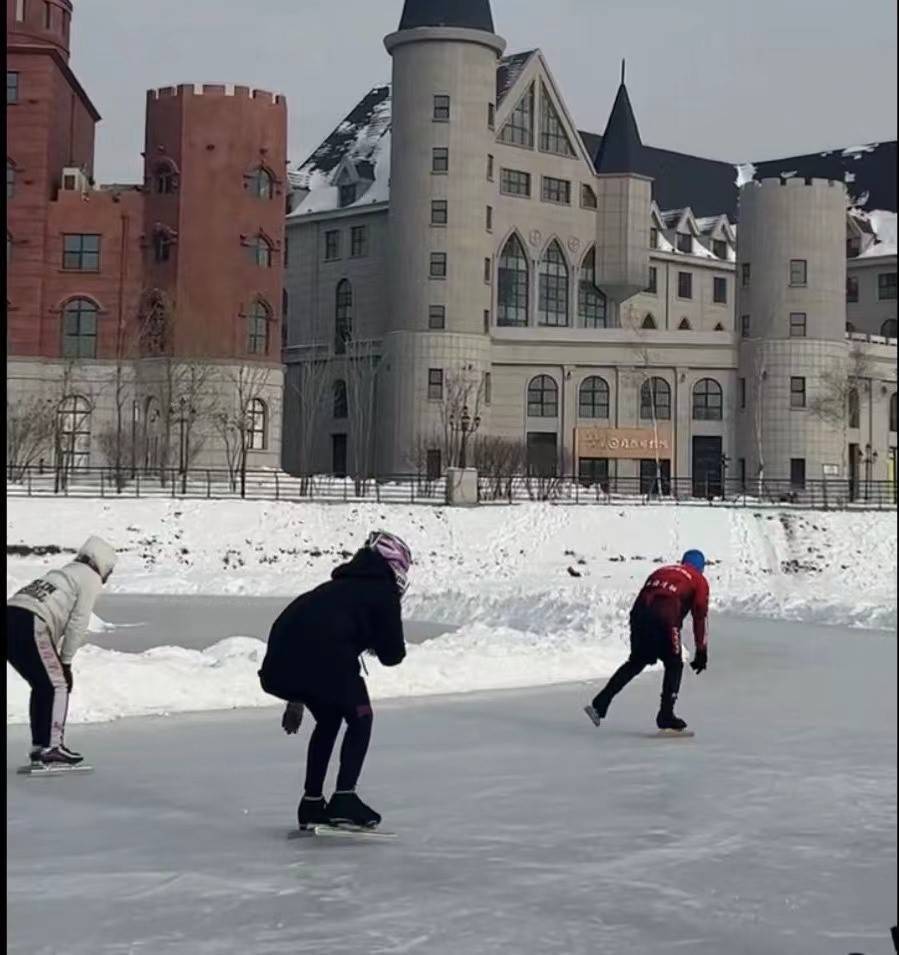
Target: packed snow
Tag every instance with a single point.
(539, 593)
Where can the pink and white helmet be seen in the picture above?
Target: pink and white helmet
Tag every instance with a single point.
(395, 552)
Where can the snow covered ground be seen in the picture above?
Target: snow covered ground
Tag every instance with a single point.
(538, 593)
(522, 828)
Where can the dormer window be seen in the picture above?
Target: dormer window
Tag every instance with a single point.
(684, 242)
(853, 247)
(653, 238)
(719, 248)
(347, 194)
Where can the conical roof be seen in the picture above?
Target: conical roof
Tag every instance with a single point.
(470, 14)
(621, 150)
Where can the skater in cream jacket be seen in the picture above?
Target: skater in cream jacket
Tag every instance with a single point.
(46, 624)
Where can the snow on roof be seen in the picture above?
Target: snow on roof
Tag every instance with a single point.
(883, 225)
(745, 173)
(508, 71)
(363, 138)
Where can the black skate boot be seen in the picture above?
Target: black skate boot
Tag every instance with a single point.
(59, 756)
(348, 809)
(667, 721)
(312, 812)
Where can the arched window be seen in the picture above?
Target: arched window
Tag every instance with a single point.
(343, 317)
(655, 400)
(258, 321)
(894, 413)
(708, 400)
(684, 325)
(649, 321)
(854, 409)
(79, 328)
(74, 432)
(262, 183)
(285, 314)
(593, 398)
(261, 251)
(553, 293)
(513, 282)
(10, 179)
(257, 425)
(165, 179)
(888, 329)
(543, 398)
(592, 307)
(341, 405)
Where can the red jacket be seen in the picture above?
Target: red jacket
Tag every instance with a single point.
(674, 591)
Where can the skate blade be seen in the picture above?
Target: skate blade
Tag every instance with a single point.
(56, 769)
(591, 713)
(338, 832)
(672, 734)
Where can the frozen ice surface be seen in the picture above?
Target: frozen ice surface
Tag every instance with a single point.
(523, 829)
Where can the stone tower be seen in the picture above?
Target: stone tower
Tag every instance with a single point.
(445, 57)
(791, 314)
(624, 197)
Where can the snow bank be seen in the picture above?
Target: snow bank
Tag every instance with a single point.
(540, 592)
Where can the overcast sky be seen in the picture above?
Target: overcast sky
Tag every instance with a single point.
(746, 80)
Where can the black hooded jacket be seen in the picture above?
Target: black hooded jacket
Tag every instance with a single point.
(314, 646)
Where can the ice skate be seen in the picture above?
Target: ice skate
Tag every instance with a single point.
(667, 722)
(312, 812)
(595, 716)
(347, 809)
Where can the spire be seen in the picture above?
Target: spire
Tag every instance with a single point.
(469, 14)
(621, 150)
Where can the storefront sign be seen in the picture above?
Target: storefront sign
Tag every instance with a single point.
(625, 443)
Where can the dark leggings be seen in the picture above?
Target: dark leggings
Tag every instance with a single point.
(651, 640)
(328, 719)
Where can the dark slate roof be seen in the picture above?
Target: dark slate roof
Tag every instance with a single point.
(508, 71)
(472, 14)
(708, 186)
(327, 157)
(867, 169)
(620, 149)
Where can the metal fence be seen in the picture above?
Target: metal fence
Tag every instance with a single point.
(418, 489)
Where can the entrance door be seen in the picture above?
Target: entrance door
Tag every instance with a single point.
(707, 461)
(653, 483)
(854, 456)
(338, 455)
(592, 471)
(543, 454)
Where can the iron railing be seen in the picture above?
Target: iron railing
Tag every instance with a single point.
(211, 484)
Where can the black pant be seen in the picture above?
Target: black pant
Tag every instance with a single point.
(653, 638)
(32, 655)
(356, 710)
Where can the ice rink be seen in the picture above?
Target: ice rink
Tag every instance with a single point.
(523, 829)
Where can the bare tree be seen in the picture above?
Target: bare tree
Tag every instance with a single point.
(236, 420)
(759, 369)
(646, 385)
(362, 365)
(499, 461)
(837, 389)
(30, 427)
(463, 394)
(73, 401)
(308, 385)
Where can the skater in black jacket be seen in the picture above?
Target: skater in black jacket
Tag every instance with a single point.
(312, 662)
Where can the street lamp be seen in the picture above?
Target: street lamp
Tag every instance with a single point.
(869, 459)
(466, 427)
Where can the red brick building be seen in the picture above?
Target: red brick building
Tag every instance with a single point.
(142, 310)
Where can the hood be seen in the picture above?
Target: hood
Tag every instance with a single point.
(365, 563)
(100, 554)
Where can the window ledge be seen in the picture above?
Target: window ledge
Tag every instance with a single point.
(80, 271)
(515, 195)
(556, 202)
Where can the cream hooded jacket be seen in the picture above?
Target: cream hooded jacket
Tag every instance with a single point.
(64, 599)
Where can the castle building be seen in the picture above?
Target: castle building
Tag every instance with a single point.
(143, 320)
(462, 256)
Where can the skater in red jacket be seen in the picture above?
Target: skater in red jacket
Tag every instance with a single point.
(658, 613)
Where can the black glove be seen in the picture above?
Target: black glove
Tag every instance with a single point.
(700, 661)
(67, 673)
(293, 717)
